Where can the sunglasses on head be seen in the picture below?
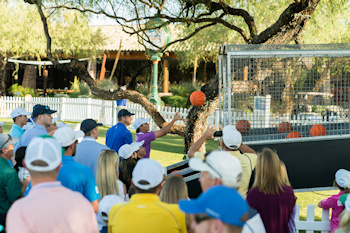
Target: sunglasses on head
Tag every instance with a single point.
(198, 218)
(216, 171)
(10, 138)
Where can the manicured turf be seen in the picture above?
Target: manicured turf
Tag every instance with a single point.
(170, 149)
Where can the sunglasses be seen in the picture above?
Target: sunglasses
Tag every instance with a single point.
(10, 138)
(274, 150)
(216, 171)
(198, 218)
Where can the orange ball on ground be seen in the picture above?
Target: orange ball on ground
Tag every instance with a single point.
(318, 130)
(197, 98)
(294, 134)
(284, 127)
(243, 126)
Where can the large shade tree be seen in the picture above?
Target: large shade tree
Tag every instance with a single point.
(70, 31)
(279, 22)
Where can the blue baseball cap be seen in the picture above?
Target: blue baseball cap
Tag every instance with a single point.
(219, 202)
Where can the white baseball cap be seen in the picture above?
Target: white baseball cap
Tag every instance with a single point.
(342, 177)
(6, 139)
(66, 136)
(46, 149)
(61, 124)
(126, 150)
(149, 171)
(19, 112)
(231, 137)
(54, 120)
(2, 123)
(222, 165)
(106, 204)
(140, 121)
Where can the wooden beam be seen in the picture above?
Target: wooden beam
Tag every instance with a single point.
(103, 68)
(166, 77)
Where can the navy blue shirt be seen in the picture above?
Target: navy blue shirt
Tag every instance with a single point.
(117, 136)
(78, 178)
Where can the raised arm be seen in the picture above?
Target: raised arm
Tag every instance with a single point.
(246, 149)
(208, 134)
(164, 131)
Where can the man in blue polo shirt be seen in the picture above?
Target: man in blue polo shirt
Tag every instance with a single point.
(42, 117)
(118, 134)
(73, 175)
(19, 116)
(89, 150)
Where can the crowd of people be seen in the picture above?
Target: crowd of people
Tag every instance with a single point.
(54, 178)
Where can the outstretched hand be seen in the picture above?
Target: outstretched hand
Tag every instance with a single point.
(178, 117)
(208, 134)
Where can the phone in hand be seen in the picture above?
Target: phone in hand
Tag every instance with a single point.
(218, 134)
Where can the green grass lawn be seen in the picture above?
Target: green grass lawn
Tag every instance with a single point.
(170, 149)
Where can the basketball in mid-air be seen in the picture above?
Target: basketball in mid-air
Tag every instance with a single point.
(285, 127)
(294, 134)
(318, 130)
(197, 98)
(243, 126)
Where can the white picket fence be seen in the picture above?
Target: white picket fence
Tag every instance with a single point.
(78, 109)
(310, 225)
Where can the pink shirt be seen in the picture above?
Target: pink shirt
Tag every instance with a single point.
(334, 204)
(50, 207)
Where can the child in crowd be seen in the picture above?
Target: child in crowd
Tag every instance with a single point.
(23, 173)
(342, 181)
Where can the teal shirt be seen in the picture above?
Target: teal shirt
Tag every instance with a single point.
(16, 131)
(10, 186)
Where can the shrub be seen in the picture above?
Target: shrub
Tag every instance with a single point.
(175, 101)
(143, 89)
(18, 90)
(107, 84)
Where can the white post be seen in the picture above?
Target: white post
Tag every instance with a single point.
(88, 111)
(114, 113)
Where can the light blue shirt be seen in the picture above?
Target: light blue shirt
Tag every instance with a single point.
(29, 134)
(88, 152)
(16, 131)
(78, 178)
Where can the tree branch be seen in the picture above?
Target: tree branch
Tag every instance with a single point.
(80, 69)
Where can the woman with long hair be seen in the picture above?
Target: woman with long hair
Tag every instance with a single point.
(271, 194)
(107, 180)
(174, 189)
(107, 175)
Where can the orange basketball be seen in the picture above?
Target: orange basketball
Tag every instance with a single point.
(197, 98)
(285, 127)
(318, 130)
(294, 134)
(243, 126)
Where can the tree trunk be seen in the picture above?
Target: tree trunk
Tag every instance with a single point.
(2, 75)
(197, 117)
(29, 77)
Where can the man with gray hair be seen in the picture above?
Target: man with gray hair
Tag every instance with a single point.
(49, 205)
(221, 168)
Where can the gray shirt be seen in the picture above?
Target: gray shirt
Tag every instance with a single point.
(88, 152)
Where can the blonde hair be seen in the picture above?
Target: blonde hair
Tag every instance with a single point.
(344, 225)
(107, 174)
(174, 189)
(284, 174)
(268, 176)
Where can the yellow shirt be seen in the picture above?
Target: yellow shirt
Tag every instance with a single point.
(248, 162)
(146, 213)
